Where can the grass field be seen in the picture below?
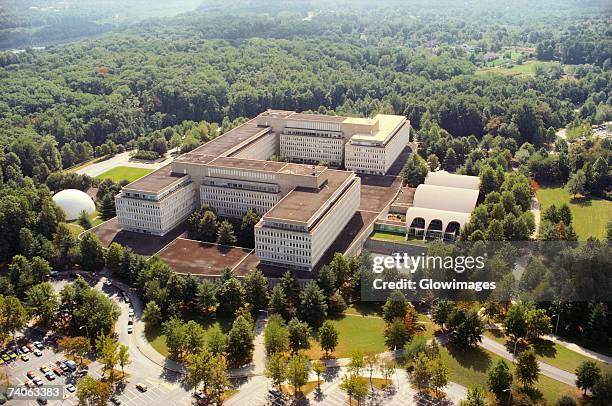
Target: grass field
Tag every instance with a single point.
(120, 173)
(589, 216)
(393, 237)
(526, 69)
(76, 229)
(158, 340)
(554, 354)
(354, 332)
(469, 368)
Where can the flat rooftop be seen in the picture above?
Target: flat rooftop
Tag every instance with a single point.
(156, 181)
(267, 166)
(230, 139)
(316, 117)
(302, 203)
(388, 125)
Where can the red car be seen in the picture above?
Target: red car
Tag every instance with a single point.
(30, 346)
(30, 374)
(57, 371)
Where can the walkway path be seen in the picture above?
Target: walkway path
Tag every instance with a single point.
(545, 369)
(535, 209)
(579, 349)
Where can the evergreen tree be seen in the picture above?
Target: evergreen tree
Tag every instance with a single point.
(92, 255)
(291, 288)
(240, 342)
(225, 234)
(414, 171)
(278, 303)
(256, 290)
(499, 379)
(313, 308)
(247, 228)
(107, 207)
(450, 160)
(230, 296)
(84, 220)
(395, 306)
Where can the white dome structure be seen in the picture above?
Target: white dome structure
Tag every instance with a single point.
(73, 202)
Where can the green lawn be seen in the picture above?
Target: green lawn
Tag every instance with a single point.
(554, 354)
(469, 368)
(589, 216)
(120, 173)
(527, 68)
(158, 340)
(76, 229)
(393, 237)
(354, 332)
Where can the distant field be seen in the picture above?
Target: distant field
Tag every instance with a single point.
(124, 173)
(589, 216)
(386, 236)
(526, 68)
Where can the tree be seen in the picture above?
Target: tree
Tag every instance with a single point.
(13, 316)
(538, 323)
(566, 400)
(602, 391)
(319, 368)
(326, 279)
(421, 373)
(276, 335)
(219, 378)
(199, 370)
(291, 288)
(217, 341)
(225, 234)
(106, 347)
(354, 387)
(395, 306)
(414, 170)
(278, 303)
(387, 368)
(527, 369)
(475, 397)
(113, 257)
(299, 335)
(256, 290)
(84, 220)
(206, 295)
(576, 184)
(313, 307)
(433, 162)
(450, 160)
(439, 375)
(92, 255)
(587, 375)
(465, 328)
(240, 342)
(440, 312)
(195, 337)
(372, 361)
(597, 328)
(357, 362)
(207, 227)
(230, 295)
(107, 207)
(414, 347)
(176, 337)
(247, 228)
(396, 334)
(328, 337)
(75, 346)
(499, 378)
(276, 369)
(152, 315)
(297, 372)
(93, 392)
(123, 357)
(515, 322)
(42, 301)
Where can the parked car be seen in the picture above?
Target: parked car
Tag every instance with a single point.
(57, 371)
(199, 395)
(108, 282)
(37, 352)
(5, 357)
(38, 345)
(50, 376)
(30, 374)
(71, 365)
(42, 401)
(130, 329)
(30, 346)
(115, 400)
(25, 349)
(25, 358)
(12, 355)
(141, 387)
(130, 321)
(44, 368)
(37, 381)
(131, 312)
(54, 274)
(71, 388)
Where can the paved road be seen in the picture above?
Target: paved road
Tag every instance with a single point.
(545, 369)
(122, 159)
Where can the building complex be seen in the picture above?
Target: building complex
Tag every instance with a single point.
(303, 203)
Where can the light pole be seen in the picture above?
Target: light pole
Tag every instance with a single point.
(86, 330)
(558, 318)
(509, 390)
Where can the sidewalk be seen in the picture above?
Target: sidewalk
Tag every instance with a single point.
(580, 350)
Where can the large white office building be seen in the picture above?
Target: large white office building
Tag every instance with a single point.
(304, 206)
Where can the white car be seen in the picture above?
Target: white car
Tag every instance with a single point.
(130, 329)
(37, 352)
(108, 282)
(70, 388)
(131, 312)
(25, 349)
